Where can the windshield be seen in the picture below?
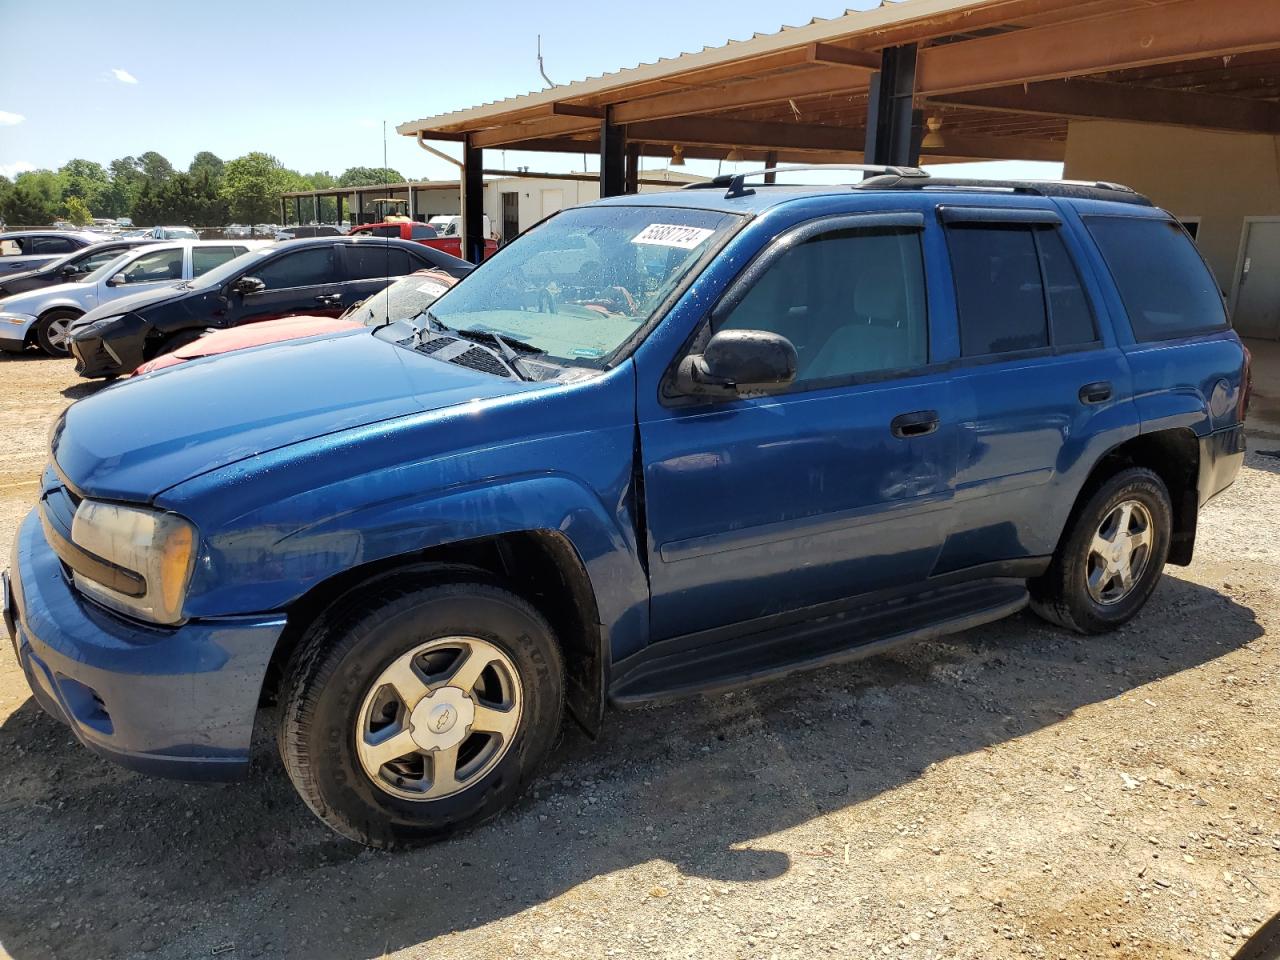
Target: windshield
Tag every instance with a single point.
(581, 284)
(403, 300)
(112, 267)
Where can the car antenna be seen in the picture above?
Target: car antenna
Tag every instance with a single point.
(386, 264)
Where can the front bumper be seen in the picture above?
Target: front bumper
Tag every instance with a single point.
(120, 350)
(171, 702)
(14, 329)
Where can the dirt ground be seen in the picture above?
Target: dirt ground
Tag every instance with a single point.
(1014, 791)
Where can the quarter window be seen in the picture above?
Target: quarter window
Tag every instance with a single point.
(302, 268)
(1166, 288)
(851, 301)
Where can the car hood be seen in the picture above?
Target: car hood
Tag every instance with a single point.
(31, 300)
(138, 438)
(133, 301)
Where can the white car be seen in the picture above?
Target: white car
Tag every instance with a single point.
(43, 316)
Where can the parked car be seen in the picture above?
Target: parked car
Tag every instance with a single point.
(322, 276)
(67, 268)
(767, 430)
(301, 231)
(171, 233)
(420, 233)
(44, 316)
(23, 250)
(404, 299)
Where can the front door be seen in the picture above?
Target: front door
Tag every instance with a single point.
(1257, 312)
(841, 486)
(301, 282)
(510, 216)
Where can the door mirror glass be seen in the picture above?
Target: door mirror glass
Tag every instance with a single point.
(739, 362)
(247, 285)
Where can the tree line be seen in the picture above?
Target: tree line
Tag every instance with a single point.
(150, 190)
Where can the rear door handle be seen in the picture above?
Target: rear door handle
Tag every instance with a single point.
(1099, 392)
(917, 424)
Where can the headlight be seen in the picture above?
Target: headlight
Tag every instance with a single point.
(95, 329)
(157, 547)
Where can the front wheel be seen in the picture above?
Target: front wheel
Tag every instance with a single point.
(418, 711)
(1111, 557)
(52, 330)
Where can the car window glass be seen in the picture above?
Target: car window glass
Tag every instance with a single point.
(391, 231)
(999, 295)
(92, 261)
(153, 266)
(11, 248)
(300, 268)
(367, 261)
(1070, 319)
(852, 302)
(420, 231)
(204, 259)
(1166, 288)
(52, 245)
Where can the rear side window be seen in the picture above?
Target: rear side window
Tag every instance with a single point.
(999, 295)
(370, 261)
(1166, 288)
(301, 268)
(420, 231)
(52, 245)
(204, 259)
(1016, 289)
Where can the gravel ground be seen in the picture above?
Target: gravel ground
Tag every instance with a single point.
(1012, 791)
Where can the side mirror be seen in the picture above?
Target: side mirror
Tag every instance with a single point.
(69, 270)
(247, 285)
(119, 280)
(737, 362)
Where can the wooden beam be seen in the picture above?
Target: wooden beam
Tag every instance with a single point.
(819, 81)
(831, 55)
(1096, 99)
(719, 131)
(1181, 30)
(575, 110)
(997, 148)
(537, 129)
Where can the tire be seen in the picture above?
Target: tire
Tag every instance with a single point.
(51, 332)
(1063, 594)
(336, 690)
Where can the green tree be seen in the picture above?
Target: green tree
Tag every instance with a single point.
(78, 212)
(34, 200)
(126, 182)
(368, 176)
(252, 185)
(155, 167)
(86, 181)
(206, 162)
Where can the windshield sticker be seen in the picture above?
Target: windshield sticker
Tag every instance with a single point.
(433, 288)
(588, 354)
(672, 235)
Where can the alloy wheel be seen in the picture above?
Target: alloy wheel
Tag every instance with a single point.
(1119, 552)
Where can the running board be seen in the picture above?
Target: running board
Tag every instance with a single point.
(682, 666)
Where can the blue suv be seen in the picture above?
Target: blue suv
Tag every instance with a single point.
(658, 445)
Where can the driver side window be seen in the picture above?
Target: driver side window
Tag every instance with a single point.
(301, 268)
(852, 302)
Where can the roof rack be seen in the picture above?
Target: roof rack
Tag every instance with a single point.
(737, 188)
(1074, 189)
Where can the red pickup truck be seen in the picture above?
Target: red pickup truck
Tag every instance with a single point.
(421, 233)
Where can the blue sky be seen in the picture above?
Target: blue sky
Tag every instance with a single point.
(312, 82)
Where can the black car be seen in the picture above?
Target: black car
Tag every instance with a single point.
(67, 269)
(302, 231)
(321, 276)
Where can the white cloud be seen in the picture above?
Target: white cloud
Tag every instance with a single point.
(11, 170)
(124, 76)
(8, 119)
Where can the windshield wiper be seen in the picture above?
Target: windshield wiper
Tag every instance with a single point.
(505, 352)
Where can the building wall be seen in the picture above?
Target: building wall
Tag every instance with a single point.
(1219, 177)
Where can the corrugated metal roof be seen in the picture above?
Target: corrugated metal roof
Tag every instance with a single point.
(853, 23)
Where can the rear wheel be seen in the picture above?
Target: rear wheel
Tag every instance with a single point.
(418, 711)
(1111, 558)
(52, 329)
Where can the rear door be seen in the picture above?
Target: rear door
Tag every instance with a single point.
(370, 266)
(1042, 387)
(304, 281)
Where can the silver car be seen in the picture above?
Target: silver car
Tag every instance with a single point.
(43, 316)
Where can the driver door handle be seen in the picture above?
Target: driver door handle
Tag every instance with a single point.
(918, 424)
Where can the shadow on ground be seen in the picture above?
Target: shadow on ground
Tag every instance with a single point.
(96, 860)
